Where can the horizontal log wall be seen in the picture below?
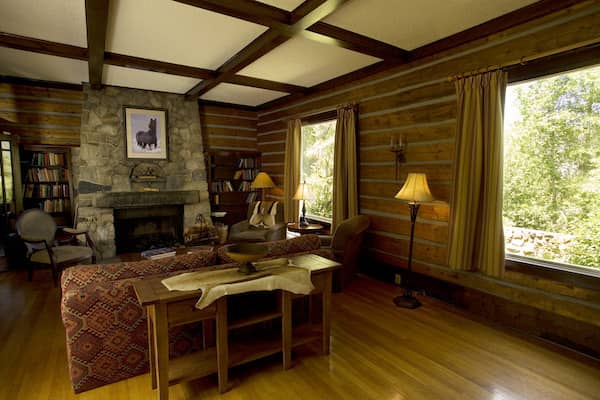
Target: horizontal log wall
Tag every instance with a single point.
(41, 115)
(418, 100)
(228, 128)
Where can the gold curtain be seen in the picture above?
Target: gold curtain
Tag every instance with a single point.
(476, 236)
(291, 177)
(345, 173)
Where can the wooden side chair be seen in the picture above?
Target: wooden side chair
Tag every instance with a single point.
(38, 230)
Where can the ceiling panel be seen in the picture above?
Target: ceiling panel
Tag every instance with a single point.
(288, 5)
(411, 24)
(237, 94)
(41, 66)
(140, 79)
(60, 21)
(175, 32)
(304, 62)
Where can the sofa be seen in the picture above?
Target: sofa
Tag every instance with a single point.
(106, 328)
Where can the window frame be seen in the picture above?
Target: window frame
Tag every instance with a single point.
(313, 119)
(586, 56)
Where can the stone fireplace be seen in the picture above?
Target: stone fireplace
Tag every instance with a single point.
(110, 199)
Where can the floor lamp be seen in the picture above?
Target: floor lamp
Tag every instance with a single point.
(415, 191)
(262, 181)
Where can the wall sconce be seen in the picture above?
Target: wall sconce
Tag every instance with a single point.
(398, 147)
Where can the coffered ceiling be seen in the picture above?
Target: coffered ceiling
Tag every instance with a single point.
(237, 51)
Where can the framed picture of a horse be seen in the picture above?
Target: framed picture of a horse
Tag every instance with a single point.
(146, 133)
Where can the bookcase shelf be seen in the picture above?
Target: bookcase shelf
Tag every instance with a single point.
(46, 181)
(230, 174)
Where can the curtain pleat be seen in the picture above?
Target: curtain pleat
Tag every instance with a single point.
(476, 234)
(345, 167)
(291, 177)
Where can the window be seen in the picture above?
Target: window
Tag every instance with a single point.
(316, 168)
(552, 170)
(6, 187)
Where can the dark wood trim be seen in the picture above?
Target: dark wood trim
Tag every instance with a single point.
(329, 34)
(43, 46)
(578, 58)
(305, 15)
(251, 11)
(224, 105)
(570, 277)
(40, 83)
(501, 23)
(266, 84)
(96, 18)
(126, 61)
(320, 117)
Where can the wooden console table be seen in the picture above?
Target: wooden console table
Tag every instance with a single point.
(167, 309)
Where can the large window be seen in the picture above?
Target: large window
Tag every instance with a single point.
(317, 168)
(552, 169)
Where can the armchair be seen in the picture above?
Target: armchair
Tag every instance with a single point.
(38, 230)
(345, 246)
(254, 229)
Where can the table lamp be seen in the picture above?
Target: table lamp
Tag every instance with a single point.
(303, 193)
(414, 191)
(262, 181)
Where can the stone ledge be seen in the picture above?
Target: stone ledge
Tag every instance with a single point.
(140, 199)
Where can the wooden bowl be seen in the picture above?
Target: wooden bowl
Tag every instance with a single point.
(245, 253)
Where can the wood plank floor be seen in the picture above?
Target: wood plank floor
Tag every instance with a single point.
(378, 352)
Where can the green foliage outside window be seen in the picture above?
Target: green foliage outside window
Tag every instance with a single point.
(552, 161)
(317, 166)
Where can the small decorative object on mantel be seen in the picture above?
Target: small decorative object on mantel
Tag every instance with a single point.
(146, 133)
(147, 177)
(398, 147)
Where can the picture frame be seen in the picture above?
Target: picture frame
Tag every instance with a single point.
(146, 133)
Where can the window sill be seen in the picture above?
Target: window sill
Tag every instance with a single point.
(571, 275)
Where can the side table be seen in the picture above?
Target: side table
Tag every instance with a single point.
(304, 230)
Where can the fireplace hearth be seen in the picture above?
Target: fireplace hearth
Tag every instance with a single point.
(143, 228)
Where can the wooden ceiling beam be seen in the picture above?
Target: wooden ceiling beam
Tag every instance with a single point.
(43, 46)
(330, 34)
(305, 15)
(251, 11)
(96, 17)
(126, 61)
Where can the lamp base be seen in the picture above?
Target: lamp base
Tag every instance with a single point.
(407, 301)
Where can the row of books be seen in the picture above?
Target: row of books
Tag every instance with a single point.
(47, 175)
(57, 205)
(246, 163)
(47, 159)
(156, 254)
(57, 190)
(246, 174)
(249, 199)
(222, 186)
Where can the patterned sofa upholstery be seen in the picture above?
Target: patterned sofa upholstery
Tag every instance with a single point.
(106, 328)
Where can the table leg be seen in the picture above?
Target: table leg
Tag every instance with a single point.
(286, 328)
(161, 349)
(222, 344)
(326, 318)
(151, 319)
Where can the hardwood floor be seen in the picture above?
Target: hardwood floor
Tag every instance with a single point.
(378, 351)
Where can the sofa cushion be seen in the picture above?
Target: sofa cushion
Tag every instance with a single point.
(82, 275)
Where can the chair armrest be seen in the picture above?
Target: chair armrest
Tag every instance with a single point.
(239, 227)
(72, 231)
(276, 232)
(88, 239)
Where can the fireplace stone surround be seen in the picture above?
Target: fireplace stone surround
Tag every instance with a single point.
(103, 175)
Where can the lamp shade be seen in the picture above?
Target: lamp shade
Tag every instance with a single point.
(262, 181)
(303, 192)
(415, 189)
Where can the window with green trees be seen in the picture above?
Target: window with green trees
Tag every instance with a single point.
(317, 167)
(552, 168)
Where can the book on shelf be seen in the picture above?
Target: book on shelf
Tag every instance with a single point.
(156, 254)
(251, 197)
(47, 159)
(245, 174)
(47, 175)
(246, 163)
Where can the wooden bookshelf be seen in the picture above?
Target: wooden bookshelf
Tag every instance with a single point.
(230, 174)
(47, 181)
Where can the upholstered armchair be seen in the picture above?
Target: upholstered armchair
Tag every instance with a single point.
(345, 246)
(264, 223)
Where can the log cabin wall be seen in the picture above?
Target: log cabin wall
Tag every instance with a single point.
(41, 115)
(418, 100)
(228, 128)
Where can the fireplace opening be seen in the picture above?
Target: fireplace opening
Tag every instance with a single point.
(143, 228)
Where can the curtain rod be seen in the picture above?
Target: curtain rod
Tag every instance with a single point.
(525, 60)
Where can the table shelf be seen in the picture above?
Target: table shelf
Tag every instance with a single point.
(192, 366)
